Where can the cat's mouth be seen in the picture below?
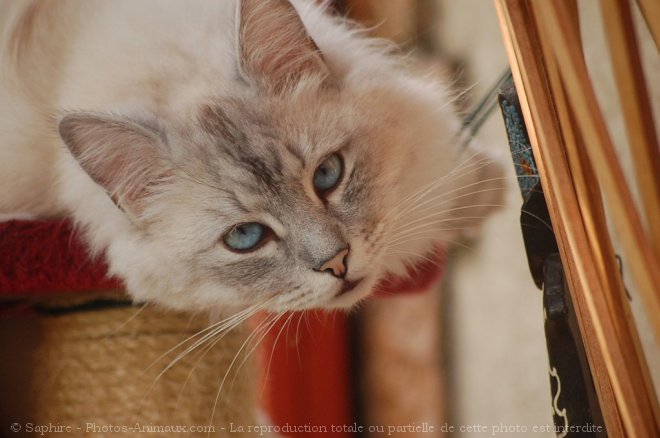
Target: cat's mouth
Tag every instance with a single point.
(348, 286)
(420, 277)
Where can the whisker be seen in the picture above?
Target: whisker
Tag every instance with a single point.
(428, 233)
(449, 241)
(548, 226)
(459, 95)
(209, 333)
(419, 200)
(222, 383)
(449, 210)
(249, 353)
(458, 189)
(404, 233)
(272, 351)
(416, 256)
(224, 327)
(128, 321)
(201, 354)
(300, 318)
(472, 193)
(466, 167)
(430, 186)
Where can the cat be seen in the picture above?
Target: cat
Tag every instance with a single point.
(225, 154)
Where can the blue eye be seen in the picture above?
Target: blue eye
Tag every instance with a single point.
(328, 174)
(245, 237)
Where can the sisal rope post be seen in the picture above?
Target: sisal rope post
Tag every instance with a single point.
(91, 370)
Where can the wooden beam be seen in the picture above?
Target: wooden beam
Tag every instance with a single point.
(651, 12)
(637, 110)
(593, 288)
(639, 254)
(587, 192)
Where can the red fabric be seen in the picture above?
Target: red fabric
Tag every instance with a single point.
(308, 379)
(308, 382)
(46, 257)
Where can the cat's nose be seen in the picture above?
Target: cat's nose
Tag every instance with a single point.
(336, 265)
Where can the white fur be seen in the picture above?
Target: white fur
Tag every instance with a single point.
(165, 58)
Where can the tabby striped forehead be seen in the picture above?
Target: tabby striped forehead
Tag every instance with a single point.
(248, 147)
(263, 153)
(264, 146)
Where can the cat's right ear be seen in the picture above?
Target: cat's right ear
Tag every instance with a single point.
(123, 156)
(273, 47)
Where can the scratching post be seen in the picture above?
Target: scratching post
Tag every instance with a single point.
(92, 370)
(75, 354)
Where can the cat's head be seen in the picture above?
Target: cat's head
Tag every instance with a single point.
(299, 186)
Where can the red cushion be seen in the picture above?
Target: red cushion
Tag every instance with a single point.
(46, 257)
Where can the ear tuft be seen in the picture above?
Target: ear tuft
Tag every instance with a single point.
(274, 49)
(121, 155)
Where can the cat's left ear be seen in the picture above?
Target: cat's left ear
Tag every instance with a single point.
(124, 156)
(273, 47)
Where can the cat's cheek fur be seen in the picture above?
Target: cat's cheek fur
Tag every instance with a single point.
(151, 270)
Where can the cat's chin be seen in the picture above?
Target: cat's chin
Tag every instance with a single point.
(351, 293)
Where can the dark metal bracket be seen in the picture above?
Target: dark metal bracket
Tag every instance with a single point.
(575, 406)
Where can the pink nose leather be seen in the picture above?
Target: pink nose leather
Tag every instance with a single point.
(336, 264)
